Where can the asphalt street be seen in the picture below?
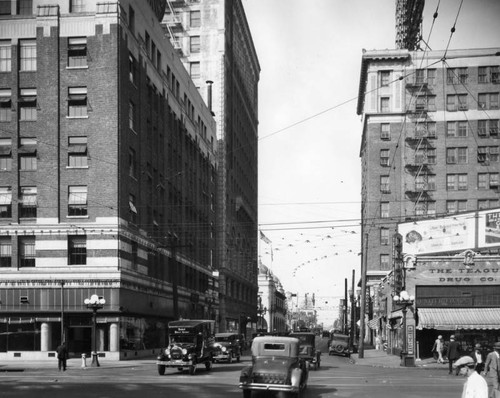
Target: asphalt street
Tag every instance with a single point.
(337, 377)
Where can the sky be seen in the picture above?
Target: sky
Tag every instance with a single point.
(309, 134)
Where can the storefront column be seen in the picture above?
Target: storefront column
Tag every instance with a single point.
(100, 339)
(45, 336)
(114, 337)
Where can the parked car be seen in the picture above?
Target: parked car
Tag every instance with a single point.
(227, 347)
(191, 342)
(307, 348)
(276, 366)
(339, 345)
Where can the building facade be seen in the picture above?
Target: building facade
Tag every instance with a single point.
(429, 145)
(430, 139)
(215, 44)
(451, 275)
(272, 303)
(107, 180)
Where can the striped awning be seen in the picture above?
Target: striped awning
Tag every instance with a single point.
(458, 318)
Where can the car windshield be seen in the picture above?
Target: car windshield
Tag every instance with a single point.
(182, 339)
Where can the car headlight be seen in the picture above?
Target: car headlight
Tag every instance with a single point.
(167, 351)
(184, 351)
(224, 349)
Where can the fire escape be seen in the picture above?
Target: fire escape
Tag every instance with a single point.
(419, 140)
(172, 23)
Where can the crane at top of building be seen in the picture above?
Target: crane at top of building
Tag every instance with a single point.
(409, 23)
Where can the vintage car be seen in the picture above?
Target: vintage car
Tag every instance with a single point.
(307, 348)
(339, 345)
(276, 366)
(228, 347)
(191, 342)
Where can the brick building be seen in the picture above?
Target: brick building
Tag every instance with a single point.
(107, 180)
(215, 44)
(430, 143)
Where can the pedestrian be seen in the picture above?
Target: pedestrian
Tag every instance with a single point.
(479, 358)
(453, 353)
(437, 349)
(492, 371)
(62, 356)
(475, 386)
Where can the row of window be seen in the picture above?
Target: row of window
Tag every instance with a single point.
(76, 55)
(454, 102)
(77, 251)
(77, 153)
(28, 202)
(428, 208)
(485, 74)
(454, 182)
(454, 155)
(484, 128)
(78, 104)
(25, 7)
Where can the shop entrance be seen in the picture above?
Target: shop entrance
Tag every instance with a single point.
(79, 340)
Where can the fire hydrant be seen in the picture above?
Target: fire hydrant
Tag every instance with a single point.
(84, 361)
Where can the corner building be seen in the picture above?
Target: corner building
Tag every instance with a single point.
(215, 44)
(430, 141)
(107, 181)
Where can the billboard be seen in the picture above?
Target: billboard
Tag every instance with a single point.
(456, 233)
(488, 228)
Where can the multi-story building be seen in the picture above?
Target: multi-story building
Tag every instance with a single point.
(272, 303)
(430, 143)
(214, 41)
(107, 180)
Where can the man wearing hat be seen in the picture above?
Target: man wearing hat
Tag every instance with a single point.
(492, 370)
(453, 352)
(475, 386)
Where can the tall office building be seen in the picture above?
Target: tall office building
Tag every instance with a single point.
(107, 180)
(430, 143)
(215, 44)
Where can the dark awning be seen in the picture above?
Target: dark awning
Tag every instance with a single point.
(458, 318)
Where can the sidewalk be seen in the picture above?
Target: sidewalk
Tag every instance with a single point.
(380, 358)
(71, 364)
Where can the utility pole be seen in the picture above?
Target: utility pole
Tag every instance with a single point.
(344, 315)
(353, 312)
(361, 348)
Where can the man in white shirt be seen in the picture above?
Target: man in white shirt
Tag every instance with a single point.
(475, 386)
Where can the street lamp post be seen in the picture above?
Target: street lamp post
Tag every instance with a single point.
(94, 303)
(261, 311)
(405, 300)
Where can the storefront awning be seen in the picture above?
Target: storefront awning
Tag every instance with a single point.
(458, 318)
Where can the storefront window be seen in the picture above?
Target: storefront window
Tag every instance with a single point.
(141, 333)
